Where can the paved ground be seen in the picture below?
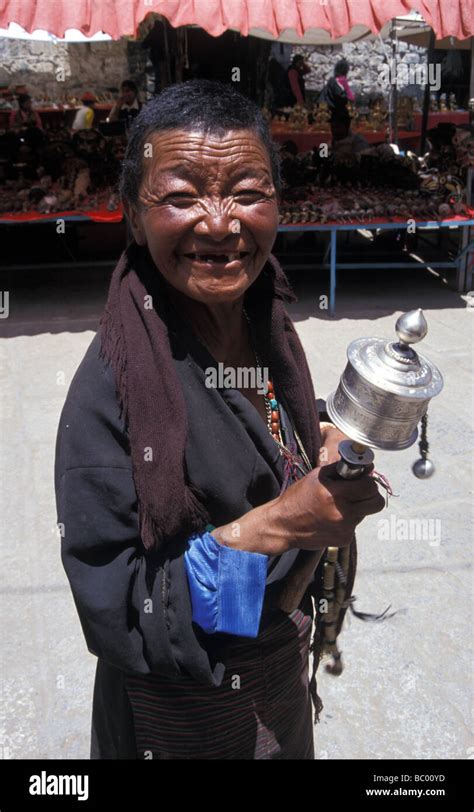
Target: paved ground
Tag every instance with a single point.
(405, 691)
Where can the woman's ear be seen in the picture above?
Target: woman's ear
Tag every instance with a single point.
(135, 223)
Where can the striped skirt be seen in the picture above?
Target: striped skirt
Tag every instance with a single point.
(262, 710)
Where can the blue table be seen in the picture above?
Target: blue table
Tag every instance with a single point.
(460, 262)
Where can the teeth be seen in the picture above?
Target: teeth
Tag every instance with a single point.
(217, 257)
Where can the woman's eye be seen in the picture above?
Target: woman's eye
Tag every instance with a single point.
(180, 199)
(248, 196)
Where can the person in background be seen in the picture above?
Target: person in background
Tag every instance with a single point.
(278, 89)
(297, 70)
(340, 72)
(84, 118)
(25, 116)
(337, 94)
(128, 105)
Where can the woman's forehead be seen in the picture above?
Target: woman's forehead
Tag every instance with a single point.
(173, 149)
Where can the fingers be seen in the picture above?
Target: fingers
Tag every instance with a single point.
(364, 489)
(354, 490)
(373, 505)
(361, 493)
(320, 507)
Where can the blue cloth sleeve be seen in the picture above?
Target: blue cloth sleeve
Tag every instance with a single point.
(227, 586)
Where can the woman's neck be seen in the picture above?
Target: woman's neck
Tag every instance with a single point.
(222, 328)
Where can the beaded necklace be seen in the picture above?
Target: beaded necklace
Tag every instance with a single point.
(271, 404)
(274, 423)
(272, 408)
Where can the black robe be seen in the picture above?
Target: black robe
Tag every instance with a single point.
(232, 460)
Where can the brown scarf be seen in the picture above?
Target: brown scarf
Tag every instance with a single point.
(135, 341)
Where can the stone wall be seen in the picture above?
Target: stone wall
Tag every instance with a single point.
(55, 69)
(367, 61)
(100, 65)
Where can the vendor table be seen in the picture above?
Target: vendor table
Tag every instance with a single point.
(460, 262)
(449, 116)
(305, 141)
(53, 118)
(76, 221)
(96, 215)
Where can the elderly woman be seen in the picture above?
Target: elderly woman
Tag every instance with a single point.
(187, 487)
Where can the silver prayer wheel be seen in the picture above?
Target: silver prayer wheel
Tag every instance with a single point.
(385, 388)
(383, 393)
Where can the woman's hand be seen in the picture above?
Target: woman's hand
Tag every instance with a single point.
(318, 511)
(330, 439)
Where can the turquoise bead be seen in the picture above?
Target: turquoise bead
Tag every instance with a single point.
(273, 403)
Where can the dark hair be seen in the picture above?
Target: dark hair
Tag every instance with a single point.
(209, 106)
(297, 58)
(289, 146)
(23, 97)
(131, 85)
(341, 68)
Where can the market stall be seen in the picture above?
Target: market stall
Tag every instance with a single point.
(100, 215)
(376, 188)
(331, 262)
(59, 116)
(51, 160)
(373, 128)
(457, 117)
(320, 191)
(310, 139)
(62, 172)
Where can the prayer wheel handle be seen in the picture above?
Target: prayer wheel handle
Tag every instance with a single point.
(356, 460)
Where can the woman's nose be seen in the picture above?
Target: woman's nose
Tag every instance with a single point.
(217, 225)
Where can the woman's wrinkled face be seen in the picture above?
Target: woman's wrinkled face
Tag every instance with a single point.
(207, 211)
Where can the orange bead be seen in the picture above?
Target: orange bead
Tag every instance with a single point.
(275, 416)
(275, 427)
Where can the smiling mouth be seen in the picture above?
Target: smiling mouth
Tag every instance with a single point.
(220, 259)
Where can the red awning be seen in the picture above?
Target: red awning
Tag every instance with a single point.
(337, 17)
